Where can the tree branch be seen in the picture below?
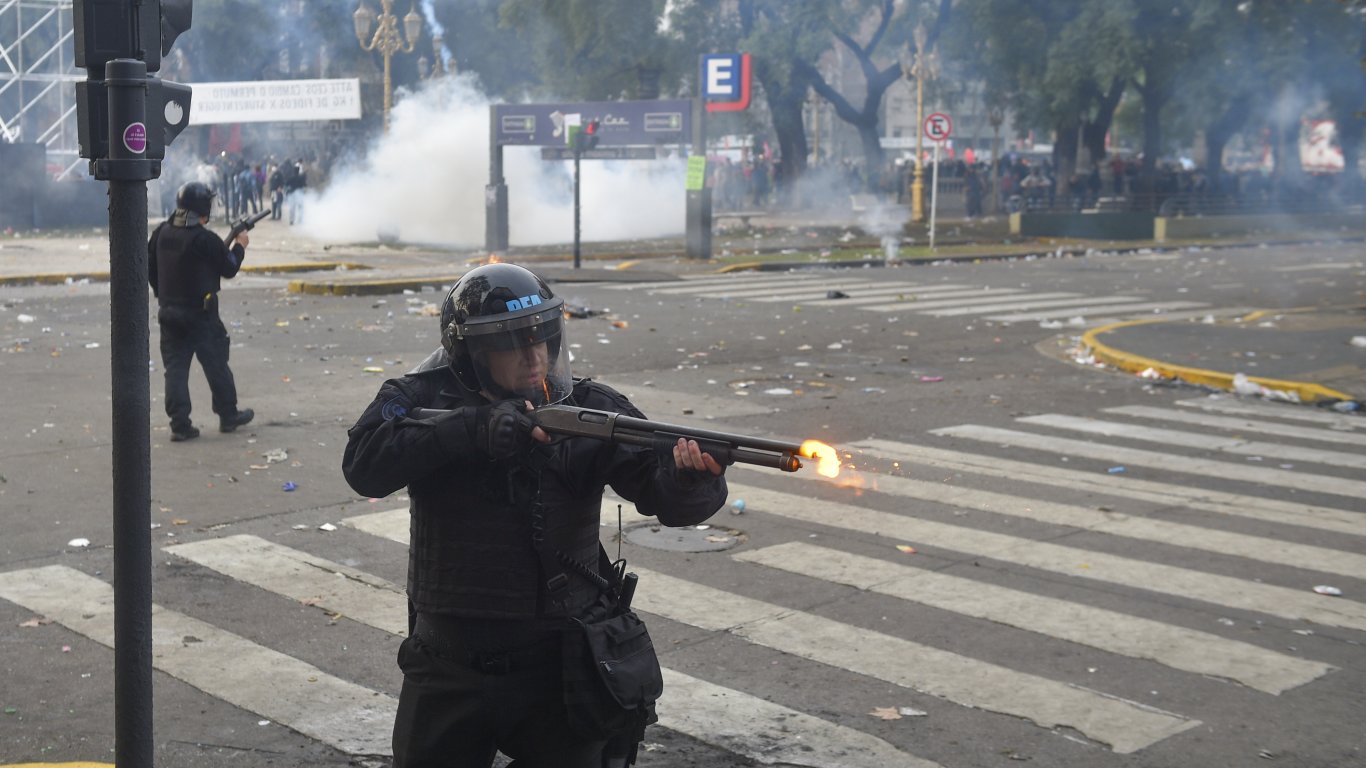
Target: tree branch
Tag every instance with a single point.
(843, 108)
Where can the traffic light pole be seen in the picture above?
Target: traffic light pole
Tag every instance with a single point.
(127, 170)
(697, 223)
(117, 43)
(578, 154)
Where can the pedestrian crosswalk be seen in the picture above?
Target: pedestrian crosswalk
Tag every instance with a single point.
(849, 288)
(1013, 529)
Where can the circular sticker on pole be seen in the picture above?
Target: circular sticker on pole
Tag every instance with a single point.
(938, 127)
(135, 138)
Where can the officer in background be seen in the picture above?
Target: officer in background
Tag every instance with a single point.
(482, 660)
(185, 264)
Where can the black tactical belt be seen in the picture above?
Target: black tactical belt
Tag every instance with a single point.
(541, 652)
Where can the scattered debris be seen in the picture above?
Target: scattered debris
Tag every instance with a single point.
(78, 543)
(907, 548)
(327, 527)
(1324, 589)
(886, 713)
(289, 486)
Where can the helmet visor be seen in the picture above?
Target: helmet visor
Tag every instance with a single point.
(523, 358)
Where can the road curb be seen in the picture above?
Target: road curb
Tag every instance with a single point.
(60, 278)
(1306, 392)
(371, 287)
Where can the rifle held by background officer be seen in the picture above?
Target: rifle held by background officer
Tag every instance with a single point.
(243, 224)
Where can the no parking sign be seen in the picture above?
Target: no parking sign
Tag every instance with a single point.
(938, 127)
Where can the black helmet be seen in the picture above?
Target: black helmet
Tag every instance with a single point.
(195, 196)
(498, 309)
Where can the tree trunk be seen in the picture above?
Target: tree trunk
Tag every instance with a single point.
(1065, 154)
(1217, 135)
(872, 155)
(792, 146)
(1093, 133)
(1152, 130)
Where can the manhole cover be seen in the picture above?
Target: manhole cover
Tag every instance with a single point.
(694, 538)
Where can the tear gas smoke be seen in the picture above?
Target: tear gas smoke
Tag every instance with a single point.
(425, 182)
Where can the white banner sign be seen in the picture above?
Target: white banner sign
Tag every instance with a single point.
(269, 101)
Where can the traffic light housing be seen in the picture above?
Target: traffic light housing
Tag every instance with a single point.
(168, 105)
(123, 30)
(103, 32)
(585, 137)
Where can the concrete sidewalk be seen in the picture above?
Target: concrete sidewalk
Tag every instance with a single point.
(1306, 356)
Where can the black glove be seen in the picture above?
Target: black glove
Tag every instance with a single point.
(503, 429)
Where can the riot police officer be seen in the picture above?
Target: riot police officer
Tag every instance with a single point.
(482, 662)
(186, 263)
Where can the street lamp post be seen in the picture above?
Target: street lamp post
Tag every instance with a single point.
(922, 66)
(388, 40)
(440, 67)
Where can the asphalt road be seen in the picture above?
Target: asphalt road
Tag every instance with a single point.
(1101, 571)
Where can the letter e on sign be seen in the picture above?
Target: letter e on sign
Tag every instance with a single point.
(938, 127)
(720, 77)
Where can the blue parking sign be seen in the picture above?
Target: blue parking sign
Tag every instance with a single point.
(721, 77)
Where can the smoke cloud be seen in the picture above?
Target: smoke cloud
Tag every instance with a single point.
(424, 183)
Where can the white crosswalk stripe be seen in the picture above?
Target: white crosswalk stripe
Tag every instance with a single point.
(1201, 440)
(349, 717)
(966, 681)
(1286, 603)
(1006, 305)
(1300, 481)
(377, 603)
(1242, 425)
(1176, 647)
(1163, 494)
(1111, 310)
(1226, 404)
(956, 519)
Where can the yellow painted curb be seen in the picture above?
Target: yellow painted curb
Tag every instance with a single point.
(1307, 392)
(303, 266)
(368, 287)
(53, 278)
(742, 267)
(58, 278)
(58, 765)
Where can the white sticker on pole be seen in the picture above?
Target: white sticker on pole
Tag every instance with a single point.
(938, 127)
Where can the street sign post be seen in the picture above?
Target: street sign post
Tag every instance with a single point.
(938, 128)
(125, 117)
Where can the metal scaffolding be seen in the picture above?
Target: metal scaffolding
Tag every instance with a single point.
(37, 77)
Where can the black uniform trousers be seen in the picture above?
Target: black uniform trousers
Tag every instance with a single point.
(453, 715)
(188, 332)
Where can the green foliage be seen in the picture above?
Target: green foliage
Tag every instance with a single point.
(594, 49)
(233, 40)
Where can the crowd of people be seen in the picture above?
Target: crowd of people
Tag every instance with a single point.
(246, 188)
(750, 180)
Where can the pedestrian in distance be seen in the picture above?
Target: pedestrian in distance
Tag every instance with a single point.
(186, 263)
(504, 550)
